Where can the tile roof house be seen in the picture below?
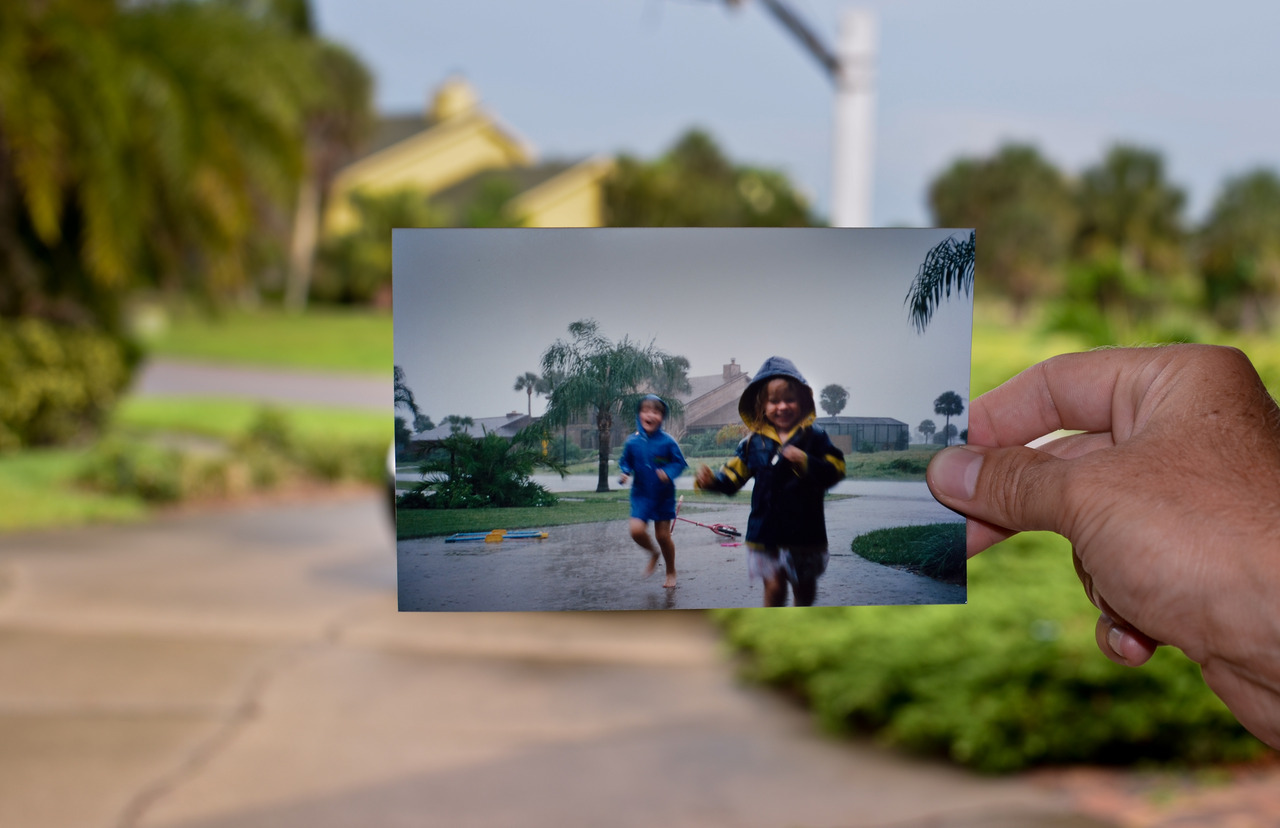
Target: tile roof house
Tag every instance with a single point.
(710, 404)
(712, 401)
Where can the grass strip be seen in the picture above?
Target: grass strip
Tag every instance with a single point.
(935, 550)
(226, 418)
(38, 492)
(320, 339)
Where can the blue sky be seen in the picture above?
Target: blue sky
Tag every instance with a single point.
(1198, 81)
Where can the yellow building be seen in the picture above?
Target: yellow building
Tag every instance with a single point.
(451, 151)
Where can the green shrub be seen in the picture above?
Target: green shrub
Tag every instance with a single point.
(935, 550)
(908, 465)
(270, 452)
(1012, 680)
(56, 383)
(155, 473)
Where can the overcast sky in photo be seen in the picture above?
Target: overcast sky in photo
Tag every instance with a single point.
(1194, 80)
(474, 309)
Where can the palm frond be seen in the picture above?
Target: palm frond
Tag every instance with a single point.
(947, 267)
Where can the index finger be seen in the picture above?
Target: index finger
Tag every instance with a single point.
(1078, 392)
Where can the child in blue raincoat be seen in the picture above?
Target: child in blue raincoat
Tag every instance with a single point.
(653, 458)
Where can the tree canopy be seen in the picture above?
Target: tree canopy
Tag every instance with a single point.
(604, 378)
(948, 404)
(1023, 205)
(1239, 251)
(695, 185)
(143, 145)
(833, 398)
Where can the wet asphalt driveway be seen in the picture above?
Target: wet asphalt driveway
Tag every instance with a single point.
(596, 566)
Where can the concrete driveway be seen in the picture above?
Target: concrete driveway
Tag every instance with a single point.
(248, 668)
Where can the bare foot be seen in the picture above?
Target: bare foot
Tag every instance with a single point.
(670, 583)
(653, 564)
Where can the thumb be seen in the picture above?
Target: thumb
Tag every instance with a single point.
(1014, 488)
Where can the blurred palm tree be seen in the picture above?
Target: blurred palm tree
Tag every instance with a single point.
(1025, 209)
(1128, 208)
(1239, 251)
(695, 185)
(337, 120)
(1130, 239)
(140, 145)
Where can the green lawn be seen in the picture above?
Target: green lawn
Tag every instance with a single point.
(37, 490)
(319, 340)
(226, 418)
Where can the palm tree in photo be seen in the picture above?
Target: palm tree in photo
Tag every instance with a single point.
(927, 428)
(947, 267)
(602, 377)
(948, 404)
(458, 423)
(530, 383)
(403, 393)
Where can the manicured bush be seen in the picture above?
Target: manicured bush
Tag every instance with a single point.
(56, 383)
(1011, 680)
(935, 550)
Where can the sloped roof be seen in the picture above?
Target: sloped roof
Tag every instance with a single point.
(521, 178)
(392, 129)
(506, 426)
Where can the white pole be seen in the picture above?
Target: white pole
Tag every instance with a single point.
(854, 132)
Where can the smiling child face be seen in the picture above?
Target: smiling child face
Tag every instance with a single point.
(650, 416)
(782, 405)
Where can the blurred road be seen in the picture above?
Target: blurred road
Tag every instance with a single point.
(249, 668)
(181, 377)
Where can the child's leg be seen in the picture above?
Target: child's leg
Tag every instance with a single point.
(765, 563)
(640, 534)
(662, 530)
(804, 566)
(775, 591)
(806, 591)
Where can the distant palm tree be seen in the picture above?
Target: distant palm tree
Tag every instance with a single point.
(603, 377)
(927, 428)
(947, 266)
(949, 404)
(530, 383)
(458, 423)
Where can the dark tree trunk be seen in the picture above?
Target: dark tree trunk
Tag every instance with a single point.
(604, 426)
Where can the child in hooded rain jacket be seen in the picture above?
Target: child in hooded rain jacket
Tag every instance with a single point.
(794, 463)
(654, 459)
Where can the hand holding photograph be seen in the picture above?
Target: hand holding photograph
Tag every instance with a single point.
(694, 418)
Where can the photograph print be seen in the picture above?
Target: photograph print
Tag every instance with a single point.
(647, 419)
